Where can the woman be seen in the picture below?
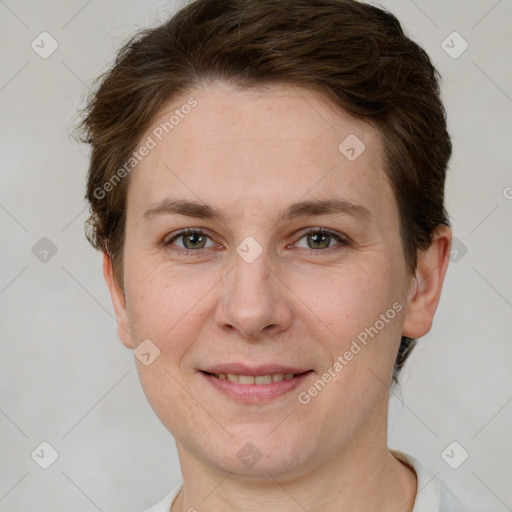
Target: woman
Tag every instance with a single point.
(267, 187)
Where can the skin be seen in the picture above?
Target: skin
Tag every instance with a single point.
(251, 154)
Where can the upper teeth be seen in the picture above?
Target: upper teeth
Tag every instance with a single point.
(260, 379)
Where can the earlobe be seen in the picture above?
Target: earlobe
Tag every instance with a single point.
(118, 301)
(429, 277)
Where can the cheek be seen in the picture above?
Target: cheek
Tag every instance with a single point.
(345, 299)
(354, 312)
(163, 302)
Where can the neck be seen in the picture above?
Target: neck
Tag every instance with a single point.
(365, 476)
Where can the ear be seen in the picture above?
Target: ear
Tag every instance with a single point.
(119, 302)
(426, 292)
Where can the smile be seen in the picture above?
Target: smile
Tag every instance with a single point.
(259, 379)
(250, 389)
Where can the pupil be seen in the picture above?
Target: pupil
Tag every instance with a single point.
(194, 235)
(322, 237)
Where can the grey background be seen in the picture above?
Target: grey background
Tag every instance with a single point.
(66, 378)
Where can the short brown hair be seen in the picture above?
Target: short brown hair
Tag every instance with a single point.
(353, 53)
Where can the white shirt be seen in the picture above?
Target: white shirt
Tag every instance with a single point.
(431, 496)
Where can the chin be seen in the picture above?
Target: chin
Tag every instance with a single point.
(254, 454)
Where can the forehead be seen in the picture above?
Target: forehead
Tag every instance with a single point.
(259, 147)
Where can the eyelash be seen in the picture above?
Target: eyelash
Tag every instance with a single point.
(342, 241)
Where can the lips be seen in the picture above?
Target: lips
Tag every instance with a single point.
(251, 385)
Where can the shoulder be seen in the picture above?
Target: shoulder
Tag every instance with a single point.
(432, 495)
(164, 505)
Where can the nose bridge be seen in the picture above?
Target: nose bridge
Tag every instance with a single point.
(252, 301)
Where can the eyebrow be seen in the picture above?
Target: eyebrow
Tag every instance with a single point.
(198, 210)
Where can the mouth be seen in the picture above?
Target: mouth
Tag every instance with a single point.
(258, 379)
(256, 388)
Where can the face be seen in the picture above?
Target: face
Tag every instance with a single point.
(264, 285)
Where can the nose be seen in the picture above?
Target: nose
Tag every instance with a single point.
(253, 300)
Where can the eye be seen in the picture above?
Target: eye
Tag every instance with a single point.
(192, 239)
(321, 238)
(195, 239)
